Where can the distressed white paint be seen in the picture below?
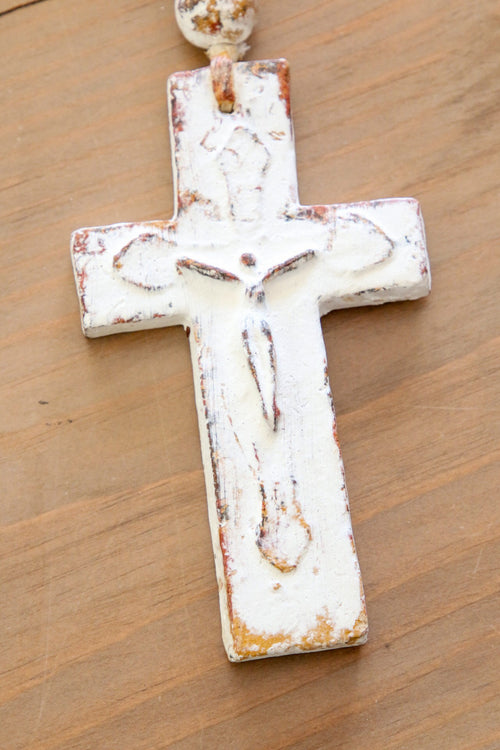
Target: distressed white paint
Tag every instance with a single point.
(291, 582)
(209, 23)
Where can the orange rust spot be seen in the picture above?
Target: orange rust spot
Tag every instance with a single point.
(359, 631)
(210, 23)
(261, 67)
(197, 332)
(226, 559)
(351, 539)
(249, 644)
(248, 259)
(322, 636)
(320, 211)
(187, 198)
(221, 68)
(177, 112)
(80, 242)
(283, 71)
(119, 320)
(241, 8)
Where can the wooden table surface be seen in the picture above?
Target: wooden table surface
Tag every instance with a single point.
(109, 631)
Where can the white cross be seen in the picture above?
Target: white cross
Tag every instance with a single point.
(250, 271)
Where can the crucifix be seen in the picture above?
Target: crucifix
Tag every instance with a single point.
(249, 271)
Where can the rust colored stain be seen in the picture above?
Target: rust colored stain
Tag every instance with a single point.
(210, 23)
(276, 413)
(360, 630)
(289, 265)
(248, 259)
(283, 71)
(197, 334)
(133, 319)
(82, 281)
(319, 213)
(212, 271)
(80, 242)
(221, 68)
(226, 562)
(241, 8)
(250, 644)
(188, 197)
(260, 68)
(335, 434)
(353, 546)
(177, 110)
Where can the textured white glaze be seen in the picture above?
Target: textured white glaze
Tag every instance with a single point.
(250, 271)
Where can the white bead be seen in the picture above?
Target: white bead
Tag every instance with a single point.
(206, 23)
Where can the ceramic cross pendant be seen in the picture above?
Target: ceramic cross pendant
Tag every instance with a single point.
(249, 272)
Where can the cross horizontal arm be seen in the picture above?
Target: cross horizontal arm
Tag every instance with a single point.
(126, 277)
(370, 253)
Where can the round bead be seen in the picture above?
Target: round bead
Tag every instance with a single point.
(206, 23)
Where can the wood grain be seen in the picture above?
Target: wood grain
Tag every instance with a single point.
(110, 634)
